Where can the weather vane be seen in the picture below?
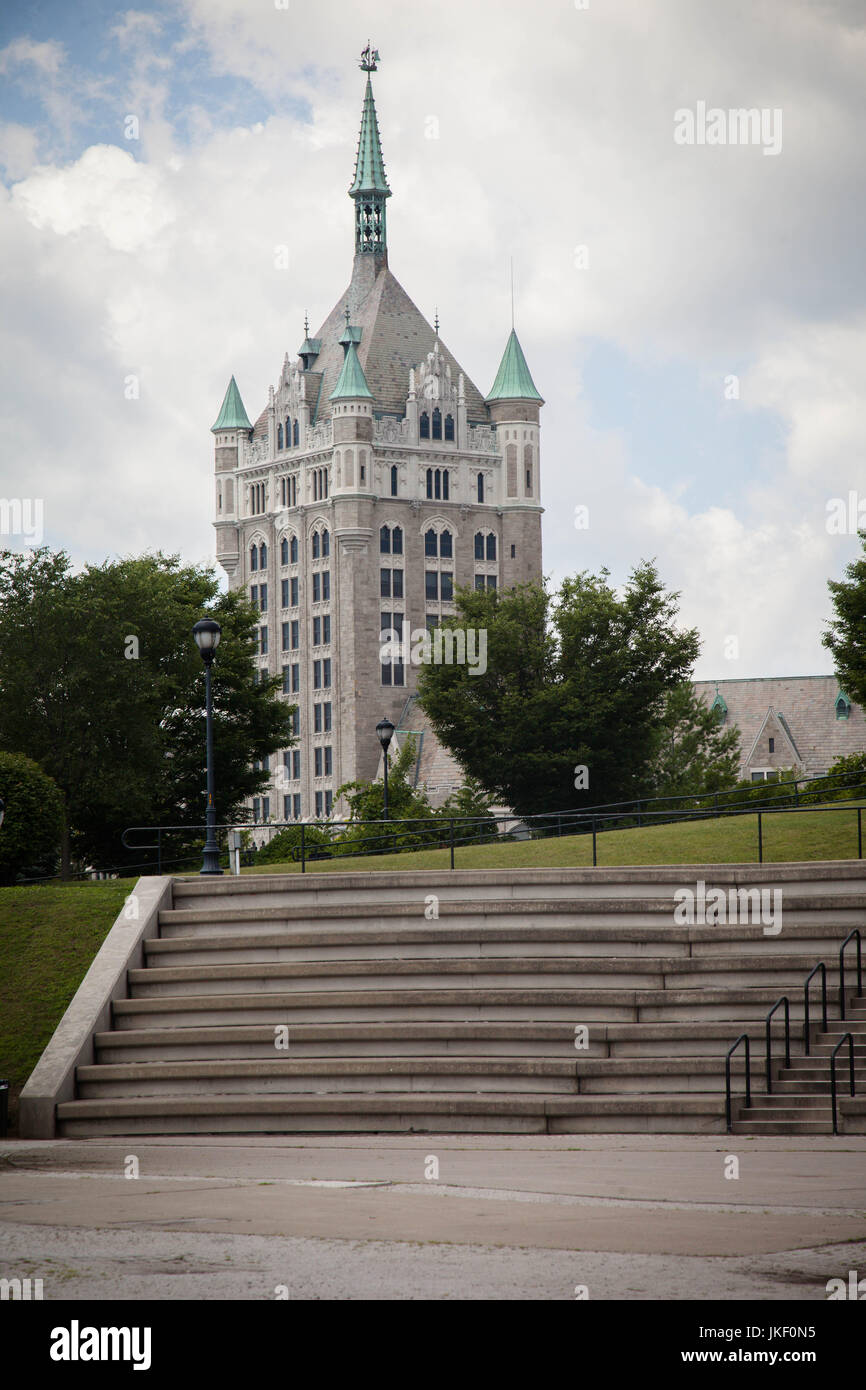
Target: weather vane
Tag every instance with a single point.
(369, 59)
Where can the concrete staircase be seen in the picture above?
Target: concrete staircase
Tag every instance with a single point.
(330, 1003)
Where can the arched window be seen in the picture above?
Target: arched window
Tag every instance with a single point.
(385, 540)
(326, 542)
(444, 484)
(843, 705)
(394, 481)
(445, 549)
(424, 425)
(293, 550)
(491, 547)
(437, 423)
(263, 556)
(429, 482)
(315, 545)
(254, 557)
(449, 428)
(288, 430)
(480, 487)
(479, 545)
(295, 432)
(284, 551)
(430, 542)
(279, 436)
(397, 540)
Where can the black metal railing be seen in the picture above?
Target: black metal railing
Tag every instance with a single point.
(821, 969)
(846, 1037)
(769, 1073)
(852, 936)
(744, 1037)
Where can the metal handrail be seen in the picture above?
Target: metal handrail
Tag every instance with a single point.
(783, 1000)
(806, 1028)
(852, 936)
(846, 1037)
(744, 1037)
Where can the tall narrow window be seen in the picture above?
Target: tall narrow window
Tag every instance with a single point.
(424, 425)
(284, 551)
(293, 551)
(429, 482)
(295, 432)
(449, 428)
(263, 557)
(288, 431)
(279, 436)
(316, 545)
(437, 423)
(430, 539)
(445, 545)
(394, 480)
(326, 538)
(479, 546)
(254, 557)
(445, 484)
(480, 484)
(437, 482)
(491, 547)
(397, 540)
(385, 540)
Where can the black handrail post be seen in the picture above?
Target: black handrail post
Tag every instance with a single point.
(159, 851)
(782, 1000)
(859, 833)
(852, 935)
(303, 851)
(806, 1027)
(451, 836)
(594, 851)
(846, 1037)
(760, 841)
(744, 1037)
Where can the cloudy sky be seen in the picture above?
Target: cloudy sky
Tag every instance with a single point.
(694, 313)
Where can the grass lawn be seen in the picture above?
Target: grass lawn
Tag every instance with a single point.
(729, 840)
(49, 935)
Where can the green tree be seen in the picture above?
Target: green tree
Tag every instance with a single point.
(694, 752)
(574, 681)
(102, 685)
(33, 820)
(367, 804)
(844, 636)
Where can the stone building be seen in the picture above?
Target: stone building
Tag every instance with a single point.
(800, 722)
(376, 480)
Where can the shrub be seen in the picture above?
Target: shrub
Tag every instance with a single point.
(33, 823)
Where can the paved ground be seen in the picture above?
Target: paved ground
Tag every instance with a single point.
(625, 1216)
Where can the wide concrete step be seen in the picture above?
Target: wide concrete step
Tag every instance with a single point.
(487, 972)
(392, 1113)
(275, 941)
(283, 1075)
(585, 1006)
(368, 1039)
(781, 1127)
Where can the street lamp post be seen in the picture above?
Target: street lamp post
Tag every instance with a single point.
(385, 731)
(207, 635)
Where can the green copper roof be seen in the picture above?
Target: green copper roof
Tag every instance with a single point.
(232, 416)
(351, 381)
(369, 165)
(513, 380)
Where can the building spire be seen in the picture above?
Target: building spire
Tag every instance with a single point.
(369, 186)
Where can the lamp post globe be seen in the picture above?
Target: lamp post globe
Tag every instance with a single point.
(385, 732)
(207, 635)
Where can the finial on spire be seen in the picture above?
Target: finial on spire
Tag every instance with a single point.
(369, 59)
(306, 324)
(346, 315)
(512, 293)
(436, 321)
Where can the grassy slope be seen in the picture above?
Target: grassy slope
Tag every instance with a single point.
(49, 935)
(730, 840)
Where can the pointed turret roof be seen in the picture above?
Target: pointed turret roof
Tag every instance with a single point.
(351, 382)
(513, 380)
(369, 164)
(232, 415)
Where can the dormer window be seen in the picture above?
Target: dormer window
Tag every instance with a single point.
(843, 705)
(719, 708)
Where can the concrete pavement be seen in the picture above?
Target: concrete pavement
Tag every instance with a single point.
(458, 1217)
